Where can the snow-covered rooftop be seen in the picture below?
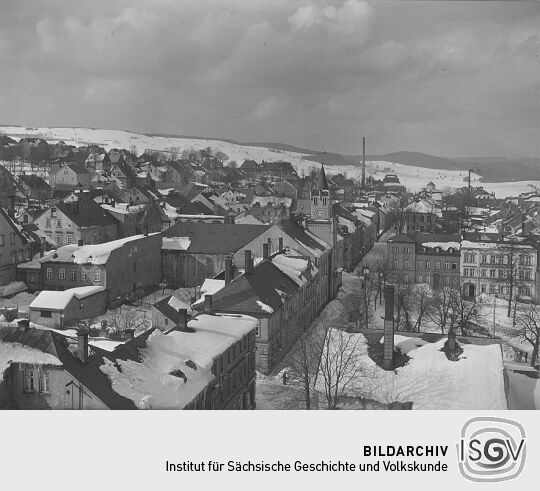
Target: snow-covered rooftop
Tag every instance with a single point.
(176, 243)
(176, 367)
(58, 300)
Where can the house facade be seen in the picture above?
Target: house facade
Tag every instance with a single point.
(81, 221)
(16, 246)
(494, 267)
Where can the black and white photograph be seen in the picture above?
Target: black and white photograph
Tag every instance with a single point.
(271, 205)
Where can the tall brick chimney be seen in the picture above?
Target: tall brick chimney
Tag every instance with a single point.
(208, 304)
(228, 270)
(265, 250)
(248, 266)
(182, 318)
(388, 326)
(82, 344)
(280, 244)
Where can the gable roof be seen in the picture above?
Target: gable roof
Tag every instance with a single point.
(215, 238)
(35, 182)
(87, 214)
(170, 307)
(263, 284)
(78, 168)
(303, 237)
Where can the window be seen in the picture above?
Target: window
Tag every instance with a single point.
(69, 238)
(420, 264)
(483, 273)
(447, 280)
(428, 264)
(59, 223)
(84, 275)
(12, 238)
(45, 313)
(492, 273)
(420, 278)
(406, 264)
(61, 273)
(97, 275)
(437, 264)
(465, 271)
(44, 386)
(49, 273)
(483, 288)
(258, 329)
(28, 379)
(407, 250)
(58, 239)
(73, 275)
(53, 212)
(446, 265)
(492, 288)
(166, 321)
(396, 263)
(483, 258)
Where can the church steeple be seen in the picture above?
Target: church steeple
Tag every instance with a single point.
(322, 184)
(321, 205)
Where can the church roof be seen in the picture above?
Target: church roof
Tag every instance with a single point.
(322, 183)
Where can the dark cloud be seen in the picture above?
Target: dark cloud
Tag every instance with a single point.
(450, 78)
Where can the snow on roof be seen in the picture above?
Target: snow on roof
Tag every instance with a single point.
(177, 366)
(351, 227)
(99, 253)
(12, 288)
(274, 200)
(429, 380)
(19, 353)
(55, 300)
(123, 208)
(294, 265)
(467, 244)
(265, 307)
(209, 287)
(442, 245)
(419, 207)
(176, 243)
(249, 220)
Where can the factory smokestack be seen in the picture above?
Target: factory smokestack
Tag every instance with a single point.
(363, 161)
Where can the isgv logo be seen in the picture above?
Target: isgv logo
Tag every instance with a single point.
(491, 449)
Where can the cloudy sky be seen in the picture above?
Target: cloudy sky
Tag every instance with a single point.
(449, 78)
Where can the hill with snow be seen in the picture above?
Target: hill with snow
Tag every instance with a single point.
(414, 177)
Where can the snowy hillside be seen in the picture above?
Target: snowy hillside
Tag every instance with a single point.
(414, 178)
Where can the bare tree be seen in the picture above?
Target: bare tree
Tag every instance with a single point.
(422, 297)
(442, 307)
(341, 366)
(404, 304)
(361, 307)
(512, 272)
(528, 327)
(303, 362)
(465, 311)
(396, 216)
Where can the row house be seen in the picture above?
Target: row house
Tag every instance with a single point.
(192, 252)
(424, 258)
(280, 293)
(81, 221)
(208, 363)
(494, 267)
(16, 246)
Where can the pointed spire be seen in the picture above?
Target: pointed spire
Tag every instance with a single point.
(322, 184)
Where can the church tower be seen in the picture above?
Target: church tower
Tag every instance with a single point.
(321, 204)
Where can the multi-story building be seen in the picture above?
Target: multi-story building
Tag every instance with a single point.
(421, 216)
(208, 363)
(424, 258)
(70, 176)
(81, 221)
(496, 267)
(16, 246)
(125, 267)
(280, 292)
